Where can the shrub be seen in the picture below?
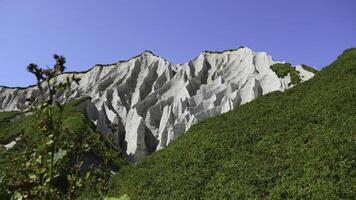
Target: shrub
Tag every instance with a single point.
(283, 69)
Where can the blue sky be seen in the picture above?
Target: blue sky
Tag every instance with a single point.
(89, 32)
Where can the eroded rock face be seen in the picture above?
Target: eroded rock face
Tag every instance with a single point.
(152, 102)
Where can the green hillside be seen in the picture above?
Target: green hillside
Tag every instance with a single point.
(300, 144)
(79, 131)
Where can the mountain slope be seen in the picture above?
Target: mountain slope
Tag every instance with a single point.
(300, 144)
(151, 102)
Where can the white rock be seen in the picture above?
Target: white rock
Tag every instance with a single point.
(153, 101)
(11, 144)
(304, 74)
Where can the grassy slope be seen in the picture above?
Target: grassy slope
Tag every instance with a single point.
(5, 123)
(76, 124)
(300, 144)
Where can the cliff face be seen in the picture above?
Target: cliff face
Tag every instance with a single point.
(147, 102)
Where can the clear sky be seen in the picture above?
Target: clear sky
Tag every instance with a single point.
(89, 32)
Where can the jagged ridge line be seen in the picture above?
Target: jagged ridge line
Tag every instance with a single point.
(125, 61)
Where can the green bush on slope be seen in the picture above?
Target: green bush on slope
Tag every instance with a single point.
(283, 69)
(299, 144)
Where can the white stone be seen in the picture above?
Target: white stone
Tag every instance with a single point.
(153, 101)
(11, 144)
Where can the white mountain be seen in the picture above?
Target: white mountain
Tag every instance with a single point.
(152, 102)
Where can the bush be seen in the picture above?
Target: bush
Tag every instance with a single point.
(283, 69)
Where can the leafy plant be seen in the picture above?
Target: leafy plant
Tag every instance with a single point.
(43, 161)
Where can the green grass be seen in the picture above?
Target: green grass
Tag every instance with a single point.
(5, 123)
(79, 130)
(283, 69)
(6, 116)
(300, 144)
(311, 69)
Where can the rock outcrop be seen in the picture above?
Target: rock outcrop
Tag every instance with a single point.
(150, 102)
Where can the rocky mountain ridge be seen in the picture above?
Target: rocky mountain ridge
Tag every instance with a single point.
(146, 102)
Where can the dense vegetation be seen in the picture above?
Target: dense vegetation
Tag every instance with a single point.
(283, 69)
(300, 144)
(80, 131)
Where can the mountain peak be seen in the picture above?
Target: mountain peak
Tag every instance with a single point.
(227, 50)
(148, 53)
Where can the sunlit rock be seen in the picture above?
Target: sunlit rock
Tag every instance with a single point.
(151, 102)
